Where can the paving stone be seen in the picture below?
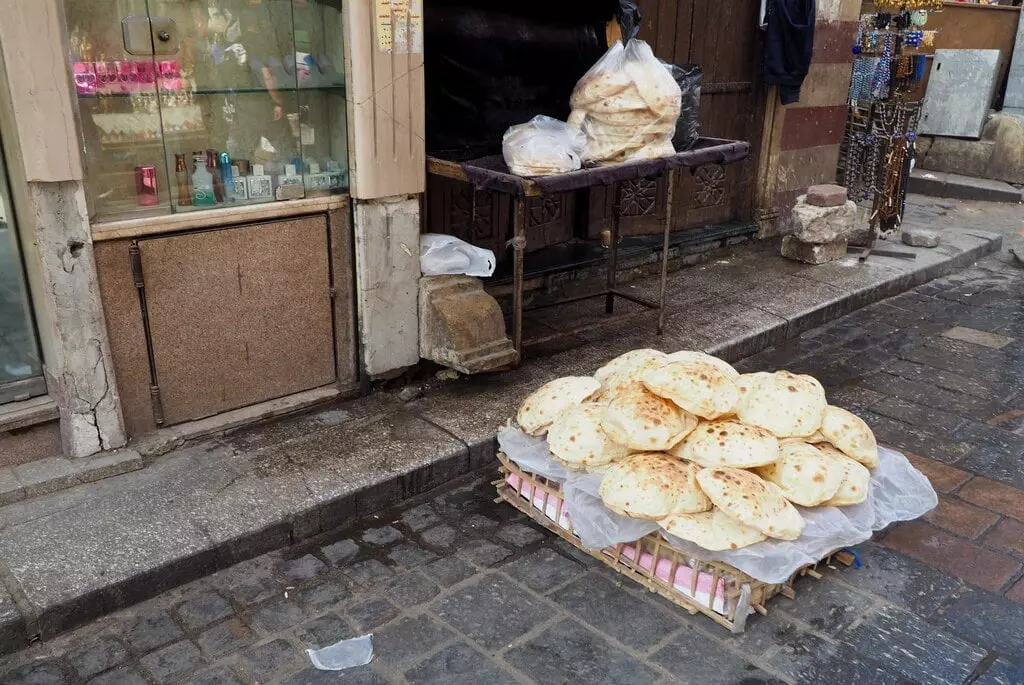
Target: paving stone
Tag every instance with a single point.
(270, 660)
(129, 675)
(362, 675)
(224, 638)
(853, 397)
(151, 630)
(302, 569)
(600, 603)
(221, 675)
(324, 595)
(1001, 672)
(96, 655)
(42, 672)
(543, 570)
(947, 380)
(382, 535)
(371, 614)
(956, 556)
(933, 396)
(254, 588)
(410, 555)
(323, 631)
(567, 652)
(493, 611)
(961, 518)
(406, 640)
(1007, 536)
(987, 619)
(907, 645)
(410, 590)
(449, 570)
(903, 436)
(576, 554)
(443, 536)
(519, 534)
(204, 608)
(458, 664)
(277, 615)
(485, 553)
(900, 579)
(420, 518)
(826, 605)
(369, 572)
(167, 663)
(944, 478)
(340, 552)
(1016, 593)
(917, 414)
(479, 524)
(808, 658)
(699, 658)
(983, 338)
(996, 496)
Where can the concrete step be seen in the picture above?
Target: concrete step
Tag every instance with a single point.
(955, 186)
(68, 557)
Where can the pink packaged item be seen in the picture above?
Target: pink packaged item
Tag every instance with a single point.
(128, 77)
(170, 75)
(85, 78)
(106, 78)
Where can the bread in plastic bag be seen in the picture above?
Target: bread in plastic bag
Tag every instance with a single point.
(543, 146)
(627, 106)
(444, 255)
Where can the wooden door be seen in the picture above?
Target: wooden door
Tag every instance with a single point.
(723, 37)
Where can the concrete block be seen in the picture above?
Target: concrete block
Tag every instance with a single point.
(461, 326)
(826, 195)
(1007, 135)
(921, 237)
(813, 224)
(813, 253)
(958, 156)
(387, 234)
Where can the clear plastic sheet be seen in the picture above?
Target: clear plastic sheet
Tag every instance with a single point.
(356, 651)
(442, 255)
(543, 146)
(899, 492)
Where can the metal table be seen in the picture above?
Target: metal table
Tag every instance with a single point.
(491, 173)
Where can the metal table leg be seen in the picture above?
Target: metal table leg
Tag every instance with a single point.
(670, 179)
(613, 255)
(519, 247)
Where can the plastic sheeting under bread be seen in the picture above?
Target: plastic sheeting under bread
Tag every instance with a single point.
(898, 492)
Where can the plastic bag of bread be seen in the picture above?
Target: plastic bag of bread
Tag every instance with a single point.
(543, 146)
(627, 106)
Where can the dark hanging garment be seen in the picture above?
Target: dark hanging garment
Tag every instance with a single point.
(788, 46)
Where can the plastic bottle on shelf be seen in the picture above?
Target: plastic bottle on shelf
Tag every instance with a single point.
(202, 183)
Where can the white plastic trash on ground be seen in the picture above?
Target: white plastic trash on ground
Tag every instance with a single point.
(446, 255)
(898, 492)
(356, 651)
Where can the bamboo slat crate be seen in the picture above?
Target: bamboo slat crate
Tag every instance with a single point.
(718, 590)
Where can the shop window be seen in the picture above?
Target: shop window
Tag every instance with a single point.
(201, 104)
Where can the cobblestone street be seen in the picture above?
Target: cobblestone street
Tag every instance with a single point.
(457, 589)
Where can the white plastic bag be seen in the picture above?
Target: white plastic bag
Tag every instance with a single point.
(627, 105)
(543, 146)
(445, 255)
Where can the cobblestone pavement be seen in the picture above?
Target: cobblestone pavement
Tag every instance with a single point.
(457, 589)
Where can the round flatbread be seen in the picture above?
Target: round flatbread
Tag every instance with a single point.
(752, 501)
(787, 404)
(850, 435)
(856, 479)
(549, 401)
(641, 420)
(652, 485)
(697, 387)
(626, 372)
(695, 356)
(577, 440)
(728, 442)
(805, 475)
(713, 530)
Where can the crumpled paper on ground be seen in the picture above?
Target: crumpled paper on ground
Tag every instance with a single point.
(898, 492)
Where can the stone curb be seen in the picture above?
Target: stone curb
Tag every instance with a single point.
(21, 620)
(955, 186)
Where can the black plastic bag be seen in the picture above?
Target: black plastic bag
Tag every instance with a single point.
(688, 77)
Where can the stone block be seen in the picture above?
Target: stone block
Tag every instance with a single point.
(958, 156)
(860, 235)
(826, 195)
(1007, 160)
(461, 326)
(813, 224)
(920, 237)
(813, 253)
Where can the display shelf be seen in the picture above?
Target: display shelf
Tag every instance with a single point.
(337, 90)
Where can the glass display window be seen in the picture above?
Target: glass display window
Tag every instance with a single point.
(199, 104)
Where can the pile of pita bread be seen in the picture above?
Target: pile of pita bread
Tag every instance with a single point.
(716, 457)
(627, 105)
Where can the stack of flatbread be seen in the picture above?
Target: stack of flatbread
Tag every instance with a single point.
(627, 106)
(716, 457)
